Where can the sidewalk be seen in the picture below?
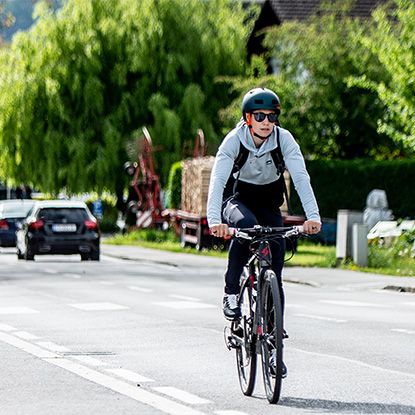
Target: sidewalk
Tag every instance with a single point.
(316, 277)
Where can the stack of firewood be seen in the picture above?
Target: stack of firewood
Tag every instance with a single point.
(195, 184)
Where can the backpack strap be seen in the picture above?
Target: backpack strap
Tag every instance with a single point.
(279, 162)
(238, 164)
(240, 158)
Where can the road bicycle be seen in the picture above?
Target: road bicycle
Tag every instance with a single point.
(260, 330)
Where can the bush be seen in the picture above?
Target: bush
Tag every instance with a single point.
(393, 256)
(174, 186)
(345, 184)
(404, 246)
(109, 218)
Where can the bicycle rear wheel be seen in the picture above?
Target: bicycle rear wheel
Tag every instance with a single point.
(271, 338)
(246, 357)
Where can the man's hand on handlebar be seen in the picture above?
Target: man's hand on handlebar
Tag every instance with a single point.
(220, 231)
(312, 227)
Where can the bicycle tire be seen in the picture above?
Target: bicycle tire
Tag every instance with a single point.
(271, 337)
(246, 357)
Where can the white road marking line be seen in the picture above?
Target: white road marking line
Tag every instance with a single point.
(141, 289)
(50, 271)
(163, 404)
(129, 375)
(183, 305)
(353, 303)
(181, 395)
(53, 346)
(314, 317)
(89, 360)
(230, 413)
(404, 331)
(27, 347)
(140, 395)
(357, 362)
(184, 297)
(107, 283)
(17, 310)
(412, 304)
(98, 306)
(25, 335)
(6, 327)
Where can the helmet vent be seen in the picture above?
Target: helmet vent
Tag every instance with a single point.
(259, 101)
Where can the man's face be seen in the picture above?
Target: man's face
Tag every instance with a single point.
(261, 124)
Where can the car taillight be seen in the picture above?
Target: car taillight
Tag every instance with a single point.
(3, 224)
(91, 225)
(36, 225)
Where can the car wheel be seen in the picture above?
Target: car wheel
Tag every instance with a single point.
(19, 254)
(94, 256)
(29, 256)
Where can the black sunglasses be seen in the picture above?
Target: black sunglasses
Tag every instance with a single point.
(260, 116)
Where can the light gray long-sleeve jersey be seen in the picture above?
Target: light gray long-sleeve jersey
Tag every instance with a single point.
(258, 169)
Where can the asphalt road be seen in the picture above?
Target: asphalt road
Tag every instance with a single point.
(146, 337)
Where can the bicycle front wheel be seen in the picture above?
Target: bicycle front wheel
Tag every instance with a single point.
(271, 337)
(246, 357)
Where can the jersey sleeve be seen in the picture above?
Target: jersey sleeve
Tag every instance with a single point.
(295, 163)
(221, 171)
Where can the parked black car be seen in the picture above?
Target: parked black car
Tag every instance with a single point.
(12, 212)
(59, 227)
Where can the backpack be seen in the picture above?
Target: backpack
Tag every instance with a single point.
(278, 159)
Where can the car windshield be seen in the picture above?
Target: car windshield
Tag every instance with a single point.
(18, 209)
(59, 214)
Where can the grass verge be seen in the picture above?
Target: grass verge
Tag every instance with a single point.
(307, 255)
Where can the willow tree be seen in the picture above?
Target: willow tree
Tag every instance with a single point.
(77, 87)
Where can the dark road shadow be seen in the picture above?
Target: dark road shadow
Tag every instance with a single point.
(327, 406)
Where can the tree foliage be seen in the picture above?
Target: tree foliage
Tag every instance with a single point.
(315, 59)
(313, 62)
(392, 41)
(75, 88)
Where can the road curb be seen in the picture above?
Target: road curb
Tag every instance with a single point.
(400, 289)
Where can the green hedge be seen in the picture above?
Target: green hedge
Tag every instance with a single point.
(345, 184)
(174, 186)
(110, 214)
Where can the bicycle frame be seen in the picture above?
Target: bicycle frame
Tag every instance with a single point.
(262, 259)
(259, 331)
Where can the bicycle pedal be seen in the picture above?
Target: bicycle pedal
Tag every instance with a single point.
(227, 335)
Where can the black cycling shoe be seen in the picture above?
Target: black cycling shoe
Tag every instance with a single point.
(231, 309)
(285, 335)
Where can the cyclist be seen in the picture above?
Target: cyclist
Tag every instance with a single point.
(253, 194)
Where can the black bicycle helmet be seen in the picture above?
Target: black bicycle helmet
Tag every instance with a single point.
(260, 99)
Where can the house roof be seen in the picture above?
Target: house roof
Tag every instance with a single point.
(301, 9)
